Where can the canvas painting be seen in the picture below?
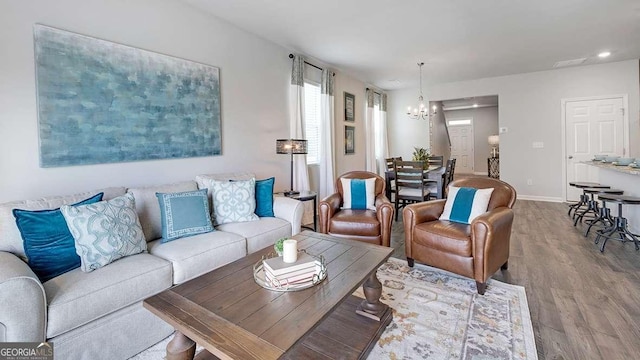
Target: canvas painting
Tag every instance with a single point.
(102, 102)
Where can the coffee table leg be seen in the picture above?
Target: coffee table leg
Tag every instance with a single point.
(371, 307)
(181, 347)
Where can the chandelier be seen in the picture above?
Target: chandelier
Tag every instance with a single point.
(421, 112)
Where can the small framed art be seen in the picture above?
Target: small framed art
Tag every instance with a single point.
(349, 139)
(349, 107)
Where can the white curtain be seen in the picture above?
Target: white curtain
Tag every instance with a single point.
(296, 124)
(382, 143)
(370, 135)
(326, 187)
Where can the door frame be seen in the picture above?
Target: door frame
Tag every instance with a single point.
(473, 137)
(563, 124)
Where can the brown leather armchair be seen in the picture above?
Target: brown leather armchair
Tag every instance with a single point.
(364, 225)
(476, 251)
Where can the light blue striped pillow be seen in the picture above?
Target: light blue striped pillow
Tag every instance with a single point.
(465, 204)
(359, 194)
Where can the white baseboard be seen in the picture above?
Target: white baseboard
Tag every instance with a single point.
(481, 173)
(540, 198)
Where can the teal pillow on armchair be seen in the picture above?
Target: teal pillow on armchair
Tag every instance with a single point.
(48, 243)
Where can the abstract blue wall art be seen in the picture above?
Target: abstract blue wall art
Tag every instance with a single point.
(101, 102)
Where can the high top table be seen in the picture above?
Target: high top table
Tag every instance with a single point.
(233, 317)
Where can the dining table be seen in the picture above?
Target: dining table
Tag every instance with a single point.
(433, 172)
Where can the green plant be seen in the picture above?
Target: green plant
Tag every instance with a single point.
(420, 154)
(278, 246)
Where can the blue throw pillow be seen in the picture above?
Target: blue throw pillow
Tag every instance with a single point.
(184, 214)
(48, 243)
(264, 197)
(465, 204)
(359, 194)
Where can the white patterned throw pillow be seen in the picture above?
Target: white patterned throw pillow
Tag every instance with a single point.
(105, 231)
(233, 201)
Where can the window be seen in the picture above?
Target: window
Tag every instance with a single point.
(312, 121)
(460, 122)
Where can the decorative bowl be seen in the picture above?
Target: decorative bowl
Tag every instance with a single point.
(624, 161)
(611, 158)
(599, 157)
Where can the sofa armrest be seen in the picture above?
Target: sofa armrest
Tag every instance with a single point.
(23, 314)
(384, 213)
(327, 207)
(290, 210)
(415, 214)
(490, 241)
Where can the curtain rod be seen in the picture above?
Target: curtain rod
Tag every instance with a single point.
(375, 92)
(310, 64)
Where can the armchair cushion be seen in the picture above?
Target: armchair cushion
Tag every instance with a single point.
(359, 194)
(465, 204)
(355, 222)
(445, 236)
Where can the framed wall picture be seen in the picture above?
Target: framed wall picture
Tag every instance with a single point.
(349, 107)
(349, 139)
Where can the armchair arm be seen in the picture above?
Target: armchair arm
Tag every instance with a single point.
(23, 314)
(490, 237)
(328, 206)
(290, 210)
(415, 214)
(384, 213)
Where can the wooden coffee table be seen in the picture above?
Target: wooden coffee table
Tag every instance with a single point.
(232, 317)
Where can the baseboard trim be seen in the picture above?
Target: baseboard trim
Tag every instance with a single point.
(540, 198)
(481, 173)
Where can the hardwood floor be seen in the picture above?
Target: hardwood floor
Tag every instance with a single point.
(584, 304)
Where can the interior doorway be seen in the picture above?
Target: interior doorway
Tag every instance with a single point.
(592, 126)
(472, 147)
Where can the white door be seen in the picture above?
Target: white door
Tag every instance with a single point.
(593, 127)
(462, 147)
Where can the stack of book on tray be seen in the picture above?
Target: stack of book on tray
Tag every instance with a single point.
(291, 275)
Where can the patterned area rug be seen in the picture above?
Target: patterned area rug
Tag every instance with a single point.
(439, 315)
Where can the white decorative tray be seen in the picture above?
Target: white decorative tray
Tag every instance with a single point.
(318, 277)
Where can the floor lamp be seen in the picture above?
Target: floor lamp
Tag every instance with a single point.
(291, 147)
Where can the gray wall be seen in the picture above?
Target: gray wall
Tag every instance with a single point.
(530, 107)
(439, 135)
(254, 92)
(485, 123)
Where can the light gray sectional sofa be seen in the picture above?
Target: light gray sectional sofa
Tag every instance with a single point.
(99, 315)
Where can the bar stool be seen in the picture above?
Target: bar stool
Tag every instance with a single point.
(604, 213)
(584, 198)
(619, 230)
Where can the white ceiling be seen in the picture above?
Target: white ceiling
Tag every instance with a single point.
(380, 41)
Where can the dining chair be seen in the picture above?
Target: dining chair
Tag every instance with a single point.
(412, 185)
(392, 184)
(447, 176)
(436, 160)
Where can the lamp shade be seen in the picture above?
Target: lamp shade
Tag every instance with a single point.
(291, 146)
(494, 140)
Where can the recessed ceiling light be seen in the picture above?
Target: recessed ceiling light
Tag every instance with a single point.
(604, 54)
(475, 105)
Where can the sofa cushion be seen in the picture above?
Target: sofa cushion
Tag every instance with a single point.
(233, 201)
(10, 239)
(355, 222)
(76, 298)
(261, 233)
(105, 232)
(148, 208)
(48, 244)
(195, 255)
(184, 214)
(264, 197)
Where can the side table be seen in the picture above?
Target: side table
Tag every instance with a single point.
(493, 165)
(306, 196)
